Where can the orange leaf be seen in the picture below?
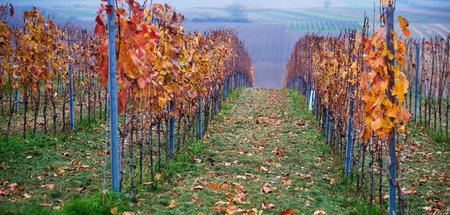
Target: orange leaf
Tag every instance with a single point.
(376, 124)
(214, 187)
(172, 204)
(141, 82)
(404, 26)
(48, 186)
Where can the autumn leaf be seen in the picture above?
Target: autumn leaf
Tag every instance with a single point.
(114, 210)
(214, 187)
(220, 203)
(172, 204)
(48, 186)
(404, 26)
(13, 186)
(382, 2)
(287, 212)
(263, 169)
(158, 176)
(198, 188)
(100, 27)
(267, 188)
(267, 206)
(319, 213)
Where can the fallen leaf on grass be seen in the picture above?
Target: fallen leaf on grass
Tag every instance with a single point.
(214, 187)
(48, 186)
(267, 188)
(201, 213)
(25, 196)
(13, 186)
(44, 203)
(226, 187)
(172, 204)
(198, 188)
(319, 213)
(128, 213)
(4, 166)
(58, 170)
(195, 199)
(267, 206)
(287, 182)
(158, 176)
(287, 212)
(4, 192)
(263, 169)
(241, 177)
(219, 203)
(113, 210)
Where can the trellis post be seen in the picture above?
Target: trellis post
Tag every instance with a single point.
(113, 98)
(417, 82)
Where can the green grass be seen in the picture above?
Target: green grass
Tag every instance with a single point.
(266, 119)
(68, 161)
(252, 127)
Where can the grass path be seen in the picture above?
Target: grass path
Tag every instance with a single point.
(264, 154)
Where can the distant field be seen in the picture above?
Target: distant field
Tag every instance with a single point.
(424, 22)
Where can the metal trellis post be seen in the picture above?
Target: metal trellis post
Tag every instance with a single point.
(113, 98)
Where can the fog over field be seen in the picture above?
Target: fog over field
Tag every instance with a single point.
(269, 28)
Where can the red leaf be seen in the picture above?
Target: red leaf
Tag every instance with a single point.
(108, 9)
(103, 71)
(100, 27)
(154, 34)
(11, 9)
(430, 45)
(121, 99)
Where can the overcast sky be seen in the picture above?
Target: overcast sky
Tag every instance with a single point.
(182, 4)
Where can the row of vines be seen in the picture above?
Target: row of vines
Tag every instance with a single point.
(359, 88)
(171, 83)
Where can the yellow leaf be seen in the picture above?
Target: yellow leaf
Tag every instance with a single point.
(382, 2)
(114, 210)
(158, 176)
